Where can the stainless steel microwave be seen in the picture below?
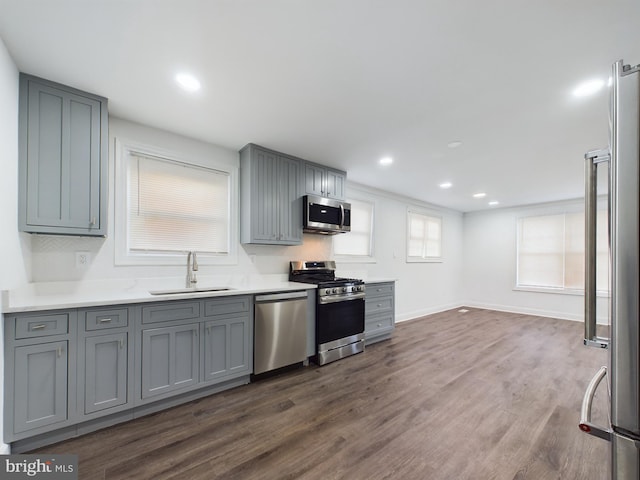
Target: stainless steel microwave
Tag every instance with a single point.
(325, 215)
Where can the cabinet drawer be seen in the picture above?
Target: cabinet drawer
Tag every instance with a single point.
(168, 312)
(376, 305)
(379, 289)
(42, 325)
(101, 319)
(380, 323)
(225, 306)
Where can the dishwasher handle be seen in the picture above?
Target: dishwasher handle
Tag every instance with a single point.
(275, 297)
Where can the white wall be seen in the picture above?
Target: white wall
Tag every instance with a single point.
(490, 265)
(421, 288)
(54, 256)
(14, 247)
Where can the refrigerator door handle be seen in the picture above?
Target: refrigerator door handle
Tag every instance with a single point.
(587, 402)
(592, 159)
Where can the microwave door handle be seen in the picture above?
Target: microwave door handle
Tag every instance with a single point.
(341, 216)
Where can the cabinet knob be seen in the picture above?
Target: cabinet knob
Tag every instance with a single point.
(93, 221)
(379, 305)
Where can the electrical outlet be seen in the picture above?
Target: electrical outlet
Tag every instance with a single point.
(83, 259)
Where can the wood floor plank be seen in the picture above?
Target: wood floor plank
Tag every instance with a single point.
(477, 395)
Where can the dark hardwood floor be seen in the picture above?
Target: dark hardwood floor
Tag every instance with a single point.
(477, 395)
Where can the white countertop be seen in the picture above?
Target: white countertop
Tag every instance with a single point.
(90, 293)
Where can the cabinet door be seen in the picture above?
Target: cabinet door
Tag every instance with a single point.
(335, 184)
(105, 371)
(290, 211)
(62, 184)
(226, 348)
(265, 197)
(40, 396)
(314, 179)
(170, 359)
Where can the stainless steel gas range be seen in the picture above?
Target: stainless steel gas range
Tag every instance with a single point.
(339, 309)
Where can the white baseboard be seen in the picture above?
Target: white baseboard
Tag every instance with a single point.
(497, 307)
(427, 311)
(533, 311)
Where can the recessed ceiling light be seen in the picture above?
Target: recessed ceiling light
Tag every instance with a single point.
(188, 82)
(446, 185)
(588, 88)
(386, 161)
(479, 195)
(493, 203)
(455, 144)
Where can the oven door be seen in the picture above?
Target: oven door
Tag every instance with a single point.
(338, 320)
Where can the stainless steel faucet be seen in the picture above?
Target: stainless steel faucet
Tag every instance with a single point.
(192, 268)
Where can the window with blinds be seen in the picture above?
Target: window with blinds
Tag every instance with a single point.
(176, 207)
(551, 251)
(424, 237)
(359, 241)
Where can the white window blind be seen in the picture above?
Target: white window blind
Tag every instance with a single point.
(424, 237)
(357, 242)
(551, 251)
(176, 207)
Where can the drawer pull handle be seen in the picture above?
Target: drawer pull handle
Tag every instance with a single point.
(379, 305)
(38, 327)
(379, 324)
(105, 320)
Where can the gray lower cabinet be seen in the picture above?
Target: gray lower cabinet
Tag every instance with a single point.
(72, 371)
(105, 378)
(270, 205)
(63, 144)
(40, 396)
(170, 359)
(39, 372)
(105, 359)
(379, 320)
(227, 347)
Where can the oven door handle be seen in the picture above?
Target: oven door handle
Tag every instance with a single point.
(340, 298)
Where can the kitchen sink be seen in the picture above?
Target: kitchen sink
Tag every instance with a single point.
(177, 291)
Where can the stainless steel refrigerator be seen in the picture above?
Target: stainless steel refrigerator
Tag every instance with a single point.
(622, 374)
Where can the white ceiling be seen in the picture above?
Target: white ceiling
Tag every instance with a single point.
(346, 82)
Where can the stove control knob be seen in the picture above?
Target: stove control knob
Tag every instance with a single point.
(360, 288)
(335, 290)
(345, 289)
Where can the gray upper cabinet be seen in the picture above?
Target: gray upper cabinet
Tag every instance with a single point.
(324, 181)
(63, 138)
(270, 205)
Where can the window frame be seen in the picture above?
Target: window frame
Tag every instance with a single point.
(348, 258)
(428, 214)
(123, 256)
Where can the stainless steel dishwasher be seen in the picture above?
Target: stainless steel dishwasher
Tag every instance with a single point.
(280, 330)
